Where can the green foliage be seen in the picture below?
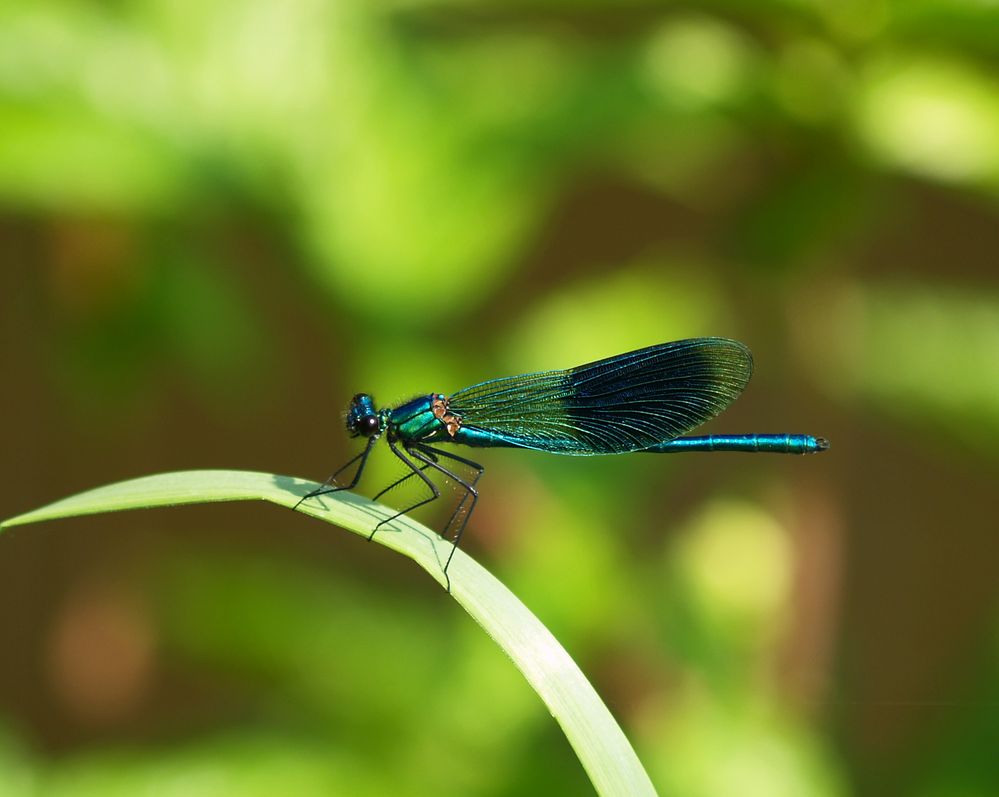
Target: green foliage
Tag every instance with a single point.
(220, 220)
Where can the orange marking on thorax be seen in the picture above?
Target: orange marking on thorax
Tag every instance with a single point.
(439, 407)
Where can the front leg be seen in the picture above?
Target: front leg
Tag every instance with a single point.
(325, 489)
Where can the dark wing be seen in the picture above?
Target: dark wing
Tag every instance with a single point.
(624, 403)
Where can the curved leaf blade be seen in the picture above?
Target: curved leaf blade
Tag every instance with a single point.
(600, 744)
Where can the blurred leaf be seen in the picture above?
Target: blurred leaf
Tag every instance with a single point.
(739, 747)
(923, 355)
(241, 764)
(727, 584)
(61, 158)
(564, 531)
(965, 26)
(700, 61)
(813, 80)
(20, 778)
(614, 312)
(937, 118)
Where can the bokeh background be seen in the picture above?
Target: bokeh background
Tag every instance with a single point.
(218, 221)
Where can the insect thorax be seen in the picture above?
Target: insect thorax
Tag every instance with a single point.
(440, 406)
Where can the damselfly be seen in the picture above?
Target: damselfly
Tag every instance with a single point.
(643, 401)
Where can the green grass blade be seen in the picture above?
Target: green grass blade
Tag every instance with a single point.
(599, 742)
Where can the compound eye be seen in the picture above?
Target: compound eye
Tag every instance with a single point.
(370, 424)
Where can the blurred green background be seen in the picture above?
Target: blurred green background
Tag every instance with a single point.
(218, 221)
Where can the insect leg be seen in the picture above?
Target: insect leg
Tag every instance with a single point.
(398, 482)
(325, 487)
(418, 452)
(479, 470)
(437, 452)
(416, 471)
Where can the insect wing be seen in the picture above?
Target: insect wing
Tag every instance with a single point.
(623, 403)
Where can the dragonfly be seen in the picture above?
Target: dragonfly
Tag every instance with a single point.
(644, 401)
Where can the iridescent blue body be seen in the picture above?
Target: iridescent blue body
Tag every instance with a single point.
(415, 421)
(643, 401)
(761, 443)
